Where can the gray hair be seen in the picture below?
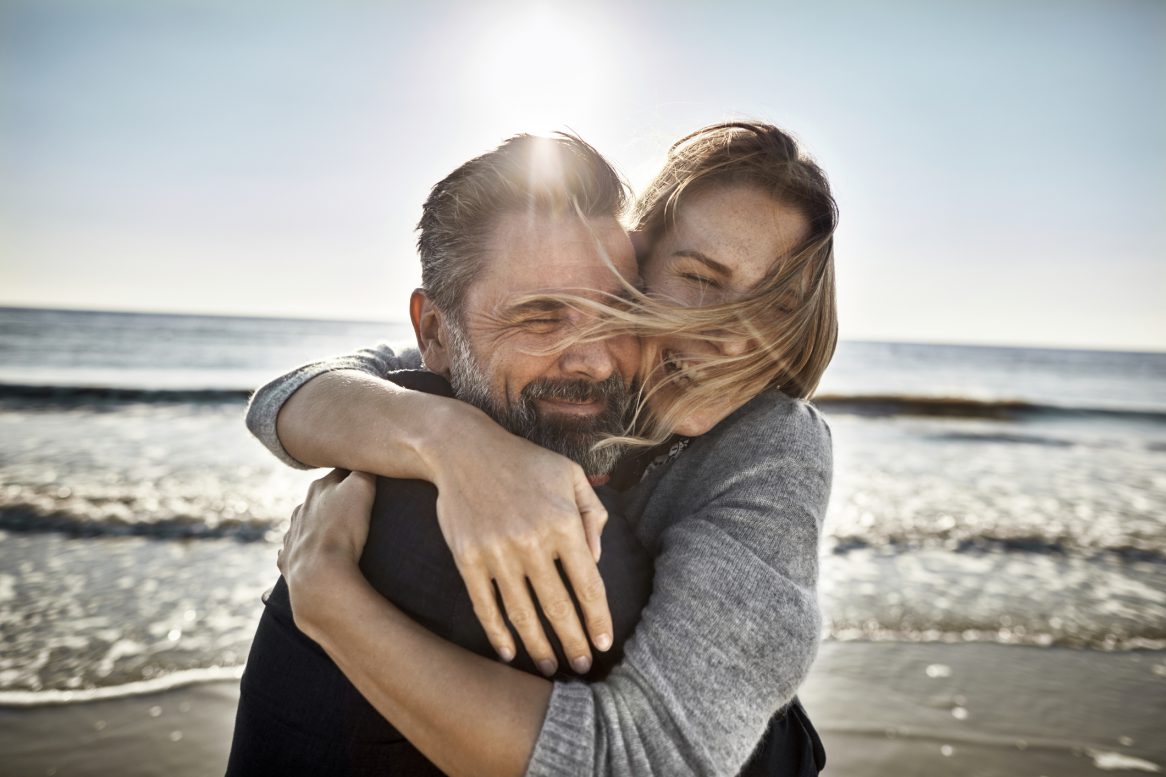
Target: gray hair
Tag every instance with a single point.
(556, 175)
(577, 439)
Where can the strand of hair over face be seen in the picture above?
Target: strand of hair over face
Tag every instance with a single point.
(793, 345)
(791, 318)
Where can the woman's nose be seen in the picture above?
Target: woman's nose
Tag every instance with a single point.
(734, 346)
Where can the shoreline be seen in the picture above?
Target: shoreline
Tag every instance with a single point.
(882, 708)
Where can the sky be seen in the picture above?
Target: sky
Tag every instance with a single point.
(1000, 166)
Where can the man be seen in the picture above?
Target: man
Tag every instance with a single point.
(533, 215)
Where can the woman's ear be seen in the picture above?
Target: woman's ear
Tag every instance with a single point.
(429, 328)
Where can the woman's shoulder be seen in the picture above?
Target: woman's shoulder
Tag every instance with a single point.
(769, 422)
(774, 443)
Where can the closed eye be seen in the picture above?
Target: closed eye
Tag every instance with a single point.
(541, 324)
(701, 280)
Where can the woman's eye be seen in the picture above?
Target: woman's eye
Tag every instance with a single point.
(701, 280)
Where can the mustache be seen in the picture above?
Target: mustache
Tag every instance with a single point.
(577, 389)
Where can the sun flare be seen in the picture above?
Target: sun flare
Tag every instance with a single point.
(541, 70)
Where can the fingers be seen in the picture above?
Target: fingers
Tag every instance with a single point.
(590, 592)
(335, 478)
(281, 555)
(355, 488)
(523, 616)
(481, 590)
(592, 511)
(361, 480)
(560, 611)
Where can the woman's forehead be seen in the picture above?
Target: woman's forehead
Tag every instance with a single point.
(739, 226)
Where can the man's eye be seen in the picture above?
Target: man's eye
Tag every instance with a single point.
(542, 323)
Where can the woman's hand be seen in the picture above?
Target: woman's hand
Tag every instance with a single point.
(509, 510)
(326, 537)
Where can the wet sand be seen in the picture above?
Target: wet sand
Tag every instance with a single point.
(984, 710)
(909, 710)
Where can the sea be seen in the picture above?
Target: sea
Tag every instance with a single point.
(981, 494)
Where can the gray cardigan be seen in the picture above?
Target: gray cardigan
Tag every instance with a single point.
(732, 625)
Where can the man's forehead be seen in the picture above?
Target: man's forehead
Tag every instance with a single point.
(532, 253)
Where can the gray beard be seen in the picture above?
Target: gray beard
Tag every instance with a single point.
(570, 436)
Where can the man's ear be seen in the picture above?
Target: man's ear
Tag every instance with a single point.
(429, 328)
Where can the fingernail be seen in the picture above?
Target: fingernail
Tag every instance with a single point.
(581, 664)
(603, 641)
(547, 667)
(506, 654)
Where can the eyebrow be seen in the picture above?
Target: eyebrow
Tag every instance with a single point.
(704, 259)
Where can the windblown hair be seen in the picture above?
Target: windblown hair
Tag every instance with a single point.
(556, 175)
(791, 316)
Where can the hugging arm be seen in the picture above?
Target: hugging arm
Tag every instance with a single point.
(504, 524)
(733, 623)
(323, 414)
(727, 637)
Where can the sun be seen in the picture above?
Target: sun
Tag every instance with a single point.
(541, 70)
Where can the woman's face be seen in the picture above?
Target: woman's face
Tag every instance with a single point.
(723, 243)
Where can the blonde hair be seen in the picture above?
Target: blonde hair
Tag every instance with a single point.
(792, 314)
(795, 347)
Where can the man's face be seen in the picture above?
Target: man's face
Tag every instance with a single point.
(508, 358)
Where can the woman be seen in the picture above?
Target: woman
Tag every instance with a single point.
(740, 232)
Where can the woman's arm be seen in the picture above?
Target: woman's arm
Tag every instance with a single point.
(318, 381)
(468, 715)
(505, 525)
(729, 634)
(733, 624)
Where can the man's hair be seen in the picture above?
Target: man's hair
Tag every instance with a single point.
(558, 175)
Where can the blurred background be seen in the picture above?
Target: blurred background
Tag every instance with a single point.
(196, 196)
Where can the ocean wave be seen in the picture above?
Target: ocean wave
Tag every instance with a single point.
(1129, 550)
(880, 405)
(874, 632)
(838, 632)
(872, 405)
(72, 396)
(124, 691)
(95, 522)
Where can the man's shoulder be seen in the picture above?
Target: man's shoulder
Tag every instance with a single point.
(421, 380)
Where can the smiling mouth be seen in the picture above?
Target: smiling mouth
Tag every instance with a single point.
(572, 407)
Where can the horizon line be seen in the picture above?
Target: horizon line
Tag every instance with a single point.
(405, 322)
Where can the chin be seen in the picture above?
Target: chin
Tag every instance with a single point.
(695, 426)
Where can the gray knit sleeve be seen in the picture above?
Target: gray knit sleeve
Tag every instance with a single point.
(733, 622)
(268, 400)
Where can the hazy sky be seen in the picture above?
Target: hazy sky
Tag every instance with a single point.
(1000, 166)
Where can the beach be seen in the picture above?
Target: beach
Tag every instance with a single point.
(992, 567)
(882, 709)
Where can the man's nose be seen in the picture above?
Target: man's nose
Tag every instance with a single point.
(592, 360)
